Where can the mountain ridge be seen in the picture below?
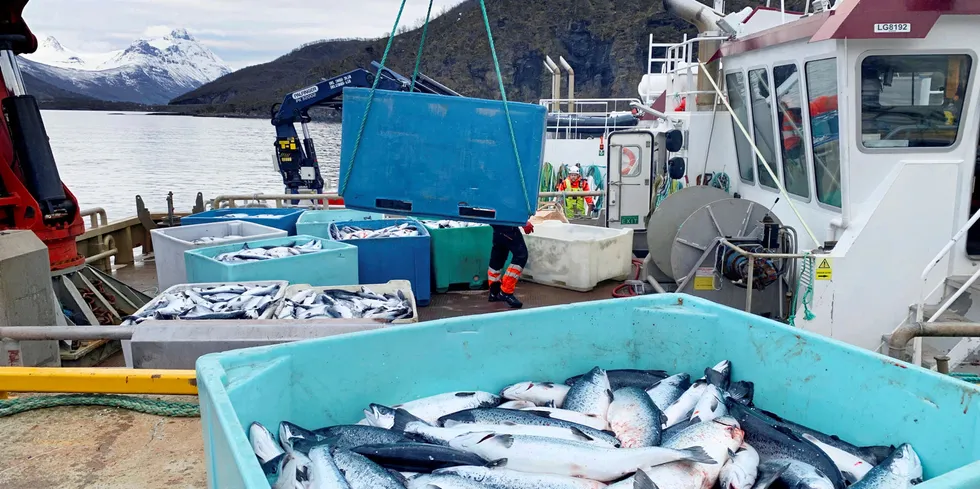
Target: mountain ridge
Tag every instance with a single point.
(605, 41)
(148, 71)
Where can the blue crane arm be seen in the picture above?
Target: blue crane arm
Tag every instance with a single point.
(295, 156)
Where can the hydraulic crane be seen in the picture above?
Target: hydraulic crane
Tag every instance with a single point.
(32, 195)
(295, 158)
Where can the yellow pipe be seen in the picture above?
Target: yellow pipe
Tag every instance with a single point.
(97, 380)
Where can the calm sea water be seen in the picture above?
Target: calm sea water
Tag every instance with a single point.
(106, 160)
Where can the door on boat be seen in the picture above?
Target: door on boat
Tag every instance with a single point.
(973, 235)
(630, 173)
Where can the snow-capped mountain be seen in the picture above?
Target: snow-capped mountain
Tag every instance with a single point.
(149, 71)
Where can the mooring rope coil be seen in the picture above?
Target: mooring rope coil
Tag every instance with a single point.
(158, 407)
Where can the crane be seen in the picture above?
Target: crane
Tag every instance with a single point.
(296, 158)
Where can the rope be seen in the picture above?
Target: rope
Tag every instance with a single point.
(418, 58)
(503, 96)
(149, 406)
(806, 276)
(367, 109)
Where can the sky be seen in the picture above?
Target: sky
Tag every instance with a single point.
(241, 32)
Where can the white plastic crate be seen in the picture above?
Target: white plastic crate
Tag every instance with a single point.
(577, 257)
(276, 302)
(169, 244)
(391, 287)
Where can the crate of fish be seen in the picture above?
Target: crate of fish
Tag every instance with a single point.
(444, 159)
(317, 222)
(169, 244)
(296, 259)
(279, 218)
(460, 253)
(390, 249)
(209, 301)
(516, 399)
(391, 302)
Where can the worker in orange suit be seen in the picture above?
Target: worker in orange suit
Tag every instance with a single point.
(507, 240)
(575, 206)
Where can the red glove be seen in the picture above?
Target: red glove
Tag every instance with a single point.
(528, 228)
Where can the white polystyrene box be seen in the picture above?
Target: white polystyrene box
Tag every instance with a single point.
(577, 257)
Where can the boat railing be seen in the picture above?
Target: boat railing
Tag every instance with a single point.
(97, 217)
(920, 305)
(313, 200)
(679, 59)
(565, 123)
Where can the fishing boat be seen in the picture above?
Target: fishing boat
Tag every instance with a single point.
(847, 129)
(775, 162)
(812, 167)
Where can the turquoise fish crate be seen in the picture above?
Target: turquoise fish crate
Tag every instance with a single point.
(279, 218)
(402, 258)
(861, 396)
(451, 157)
(335, 264)
(317, 222)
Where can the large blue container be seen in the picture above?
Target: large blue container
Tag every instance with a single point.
(284, 219)
(335, 264)
(442, 156)
(382, 259)
(864, 397)
(317, 222)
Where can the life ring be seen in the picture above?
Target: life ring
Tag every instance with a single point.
(632, 161)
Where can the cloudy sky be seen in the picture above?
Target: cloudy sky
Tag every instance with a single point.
(242, 32)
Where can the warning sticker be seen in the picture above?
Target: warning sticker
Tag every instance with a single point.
(704, 279)
(825, 270)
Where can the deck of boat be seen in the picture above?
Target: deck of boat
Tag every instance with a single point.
(83, 447)
(142, 276)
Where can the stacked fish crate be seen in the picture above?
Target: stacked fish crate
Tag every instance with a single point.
(170, 243)
(296, 259)
(460, 253)
(279, 218)
(390, 249)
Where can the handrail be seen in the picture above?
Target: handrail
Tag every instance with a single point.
(279, 198)
(920, 306)
(93, 214)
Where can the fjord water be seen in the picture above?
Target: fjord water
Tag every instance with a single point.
(107, 158)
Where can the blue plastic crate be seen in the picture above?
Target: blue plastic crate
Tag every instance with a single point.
(285, 218)
(317, 222)
(335, 264)
(861, 396)
(383, 259)
(434, 155)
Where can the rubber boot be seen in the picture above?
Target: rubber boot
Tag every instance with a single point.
(511, 300)
(495, 292)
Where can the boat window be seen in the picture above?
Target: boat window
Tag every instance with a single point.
(789, 108)
(762, 124)
(630, 163)
(743, 149)
(912, 101)
(821, 88)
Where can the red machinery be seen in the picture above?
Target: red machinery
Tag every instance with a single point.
(32, 195)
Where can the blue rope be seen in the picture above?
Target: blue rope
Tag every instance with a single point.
(418, 57)
(503, 96)
(367, 109)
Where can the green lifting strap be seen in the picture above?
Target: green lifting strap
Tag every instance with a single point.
(367, 109)
(418, 57)
(418, 60)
